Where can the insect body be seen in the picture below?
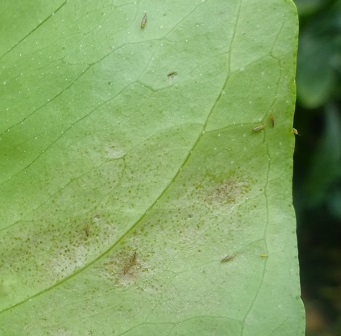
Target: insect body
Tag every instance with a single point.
(272, 120)
(130, 263)
(258, 128)
(144, 21)
(294, 130)
(172, 74)
(227, 258)
(86, 230)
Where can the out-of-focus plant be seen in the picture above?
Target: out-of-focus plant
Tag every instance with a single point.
(319, 57)
(317, 180)
(318, 113)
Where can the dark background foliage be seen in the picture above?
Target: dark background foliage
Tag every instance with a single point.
(317, 163)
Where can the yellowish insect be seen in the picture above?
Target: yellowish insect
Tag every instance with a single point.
(227, 258)
(263, 255)
(110, 268)
(144, 21)
(272, 120)
(294, 130)
(130, 263)
(86, 230)
(133, 258)
(258, 128)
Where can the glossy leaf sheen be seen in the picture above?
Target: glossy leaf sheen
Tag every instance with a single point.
(129, 168)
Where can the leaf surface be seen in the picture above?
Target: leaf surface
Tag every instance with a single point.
(136, 199)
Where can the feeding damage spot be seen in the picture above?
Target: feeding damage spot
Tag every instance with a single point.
(115, 152)
(227, 192)
(75, 243)
(124, 267)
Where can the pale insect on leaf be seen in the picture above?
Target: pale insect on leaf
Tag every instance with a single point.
(258, 128)
(144, 21)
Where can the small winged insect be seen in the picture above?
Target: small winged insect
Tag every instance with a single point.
(272, 120)
(172, 74)
(130, 263)
(294, 130)
(86, 230)
(227, 258)
(258, 128)
(263, 255)
(144, 21)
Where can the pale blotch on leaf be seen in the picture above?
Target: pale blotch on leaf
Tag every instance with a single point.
(115, 152)
(227, 192)
(124, 267)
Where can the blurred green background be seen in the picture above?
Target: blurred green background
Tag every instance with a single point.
(317, 163)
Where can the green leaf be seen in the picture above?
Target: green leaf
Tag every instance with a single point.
(136, 199)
